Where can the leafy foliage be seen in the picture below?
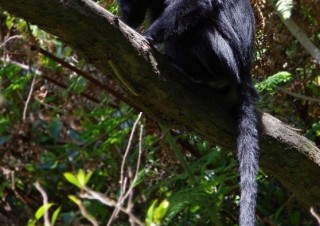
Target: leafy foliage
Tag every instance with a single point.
(271, 82)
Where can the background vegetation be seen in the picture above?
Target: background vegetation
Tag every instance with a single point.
(89, 158)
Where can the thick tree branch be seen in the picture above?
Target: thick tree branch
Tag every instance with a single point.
(157, 88)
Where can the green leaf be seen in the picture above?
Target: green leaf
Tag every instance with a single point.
(161, 211)
(156, 214)
(271, 82)
(81, 176)
(32, 222)
(72, 179)
(44, 208)
(55, 215)
(10, 22)
(149, 217)
(80, 180)
(74, 199)
(88, 176)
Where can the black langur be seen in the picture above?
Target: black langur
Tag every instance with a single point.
(212, 42)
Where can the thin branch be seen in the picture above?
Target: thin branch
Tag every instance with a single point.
(23, 66)
(90, 194)
(50, 79)
(129, 146)
(45, 203)
(315, 215)
(124, 195)
(9, 39)
(87, 215)
(296, 95)
(93, 80)
(24, 115)
(130, 203)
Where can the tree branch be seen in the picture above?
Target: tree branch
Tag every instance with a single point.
(299, 34)
(152, 84)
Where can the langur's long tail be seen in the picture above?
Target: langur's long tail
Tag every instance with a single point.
(248, 152)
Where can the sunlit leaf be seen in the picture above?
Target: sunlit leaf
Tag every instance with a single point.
(161, 210)
(74, 199)
(72, 179)
(44, 208)
(81, 177)
(55, 215)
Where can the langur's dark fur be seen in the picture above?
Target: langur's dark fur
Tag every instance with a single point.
(212, 41)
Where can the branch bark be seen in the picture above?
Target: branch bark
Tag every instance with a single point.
(159, 90)
(299, 34)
